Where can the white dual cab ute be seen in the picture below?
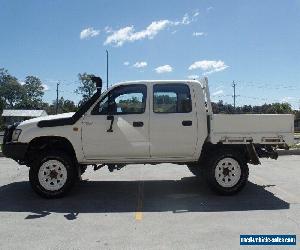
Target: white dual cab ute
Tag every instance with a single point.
(146, 122)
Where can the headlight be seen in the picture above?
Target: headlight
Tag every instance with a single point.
(16, 134)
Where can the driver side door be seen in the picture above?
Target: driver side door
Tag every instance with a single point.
(118, 126)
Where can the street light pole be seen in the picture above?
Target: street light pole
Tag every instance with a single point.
(234, 95)
(106, 69)
(57, 84)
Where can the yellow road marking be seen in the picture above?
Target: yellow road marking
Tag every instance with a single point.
(138, 215)
(140, 195)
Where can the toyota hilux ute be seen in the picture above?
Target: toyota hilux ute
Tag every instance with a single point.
(148, 122)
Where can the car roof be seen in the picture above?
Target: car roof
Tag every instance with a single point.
(156, 81)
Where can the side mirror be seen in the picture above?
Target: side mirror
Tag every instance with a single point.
(98, 81)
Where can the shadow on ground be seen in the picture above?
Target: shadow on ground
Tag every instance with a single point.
(178, 196)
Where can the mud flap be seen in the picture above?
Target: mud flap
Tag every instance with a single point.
(79, 178)
(253, 157)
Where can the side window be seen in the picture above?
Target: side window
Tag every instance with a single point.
(171, 98)
(129, 99)
(129, 103)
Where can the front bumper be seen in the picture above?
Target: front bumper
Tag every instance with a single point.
(16, 151)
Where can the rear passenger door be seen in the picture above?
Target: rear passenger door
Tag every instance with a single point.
(173, 121)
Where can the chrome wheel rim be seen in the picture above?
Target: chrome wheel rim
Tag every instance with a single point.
(52, 175)
(228, 172)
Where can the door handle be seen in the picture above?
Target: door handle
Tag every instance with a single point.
(138, 124)
(110, 118)
(187, 123)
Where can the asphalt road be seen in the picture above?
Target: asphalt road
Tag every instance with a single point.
(149, 207)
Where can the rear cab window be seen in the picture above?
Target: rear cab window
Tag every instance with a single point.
(172, 98)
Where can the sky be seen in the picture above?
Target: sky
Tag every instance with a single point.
(254, 43)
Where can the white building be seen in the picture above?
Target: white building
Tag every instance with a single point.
(11, 116)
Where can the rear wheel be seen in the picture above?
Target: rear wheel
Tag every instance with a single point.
(227, 172)
(52, 175)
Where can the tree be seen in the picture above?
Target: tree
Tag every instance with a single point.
(15, 95)
(33, 93)
(68, 106)
(64, 106)
(282, 108)
(11, 91)
(274, 108)
(4, 75)
(87, 87)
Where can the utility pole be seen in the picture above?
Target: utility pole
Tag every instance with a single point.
(106, 69)
(234, 95)
(57, 84)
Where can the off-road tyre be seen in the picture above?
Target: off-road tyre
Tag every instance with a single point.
(60, 169)
(238, 171)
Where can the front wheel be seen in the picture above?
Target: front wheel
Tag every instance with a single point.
(52, 175)
(227, 172)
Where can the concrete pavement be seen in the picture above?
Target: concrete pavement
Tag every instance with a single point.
(149, 207)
